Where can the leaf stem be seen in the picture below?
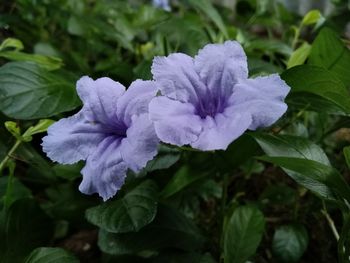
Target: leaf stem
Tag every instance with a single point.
(8, 156)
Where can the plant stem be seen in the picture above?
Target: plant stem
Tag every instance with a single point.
(8, 156)
(330, 221)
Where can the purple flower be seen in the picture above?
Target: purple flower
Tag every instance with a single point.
(112, 132)
(163, 4)
(208, 101)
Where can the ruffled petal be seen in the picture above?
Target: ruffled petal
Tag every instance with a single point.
(220, 131)
(136, 99)
(140, 144)
(105, 170)
(72, 139)
(175, 122)
(177, 79)
(100, 98)
(262, 97)
(220, 66)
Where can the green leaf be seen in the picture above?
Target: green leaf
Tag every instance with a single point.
(311, 17)
(319, 82)
(328, 51)
(11, 43)
(279, 194)
(313, 171)
(22, 228)
(184, 177)
(289, 243)
(166, 157)
(13, 128)
(40, 127)
(46, 62)
(346, 152)
(243, 233)
(296, 147)
(170, 229)
(299, 56)
(50, 255)
(128, 214)
(30, 92)
(207, 8)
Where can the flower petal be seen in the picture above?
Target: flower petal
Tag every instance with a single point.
(136, 99)
(175, 122)
(262, 97)
(220, 66)
(140, 145)
(220, 131)
(177, 79)
(72, 139)
(100, 98)
(105, 170)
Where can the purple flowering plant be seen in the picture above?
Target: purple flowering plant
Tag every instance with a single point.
(206, 102)
(174, 131)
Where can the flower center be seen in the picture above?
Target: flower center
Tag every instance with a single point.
(210, 106)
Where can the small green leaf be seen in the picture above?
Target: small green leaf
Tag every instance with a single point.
(50, 255)
(346, 152)
(41, 126)
(30, 92)
(311, 17)
(299, 56)
(14, 43)
(289, 243)
(13, 128)
(170, 229)
(128, 214)
(243, 234)
(181, 179)
(320, 83)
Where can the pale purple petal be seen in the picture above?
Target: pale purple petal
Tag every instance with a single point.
(175, 122)
(100, 98)
(262, 97)
(177, 79)
(220, 131)
(140, 144)
(136, 99)
(72, 139)
(220, 67)
(105, 170)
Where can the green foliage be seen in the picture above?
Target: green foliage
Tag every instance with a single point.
(290, 242)
(243, 233)
(50, 255)
(279, 194)
(129, 213)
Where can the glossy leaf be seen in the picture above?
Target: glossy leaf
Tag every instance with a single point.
(129, 213)
(170, 229)
(296, 147)
(329, 52)
(299, 56)
(289, 243)
(243, 234)
(29, 92)
(319, 82)
(311, 172)
(50, 255)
